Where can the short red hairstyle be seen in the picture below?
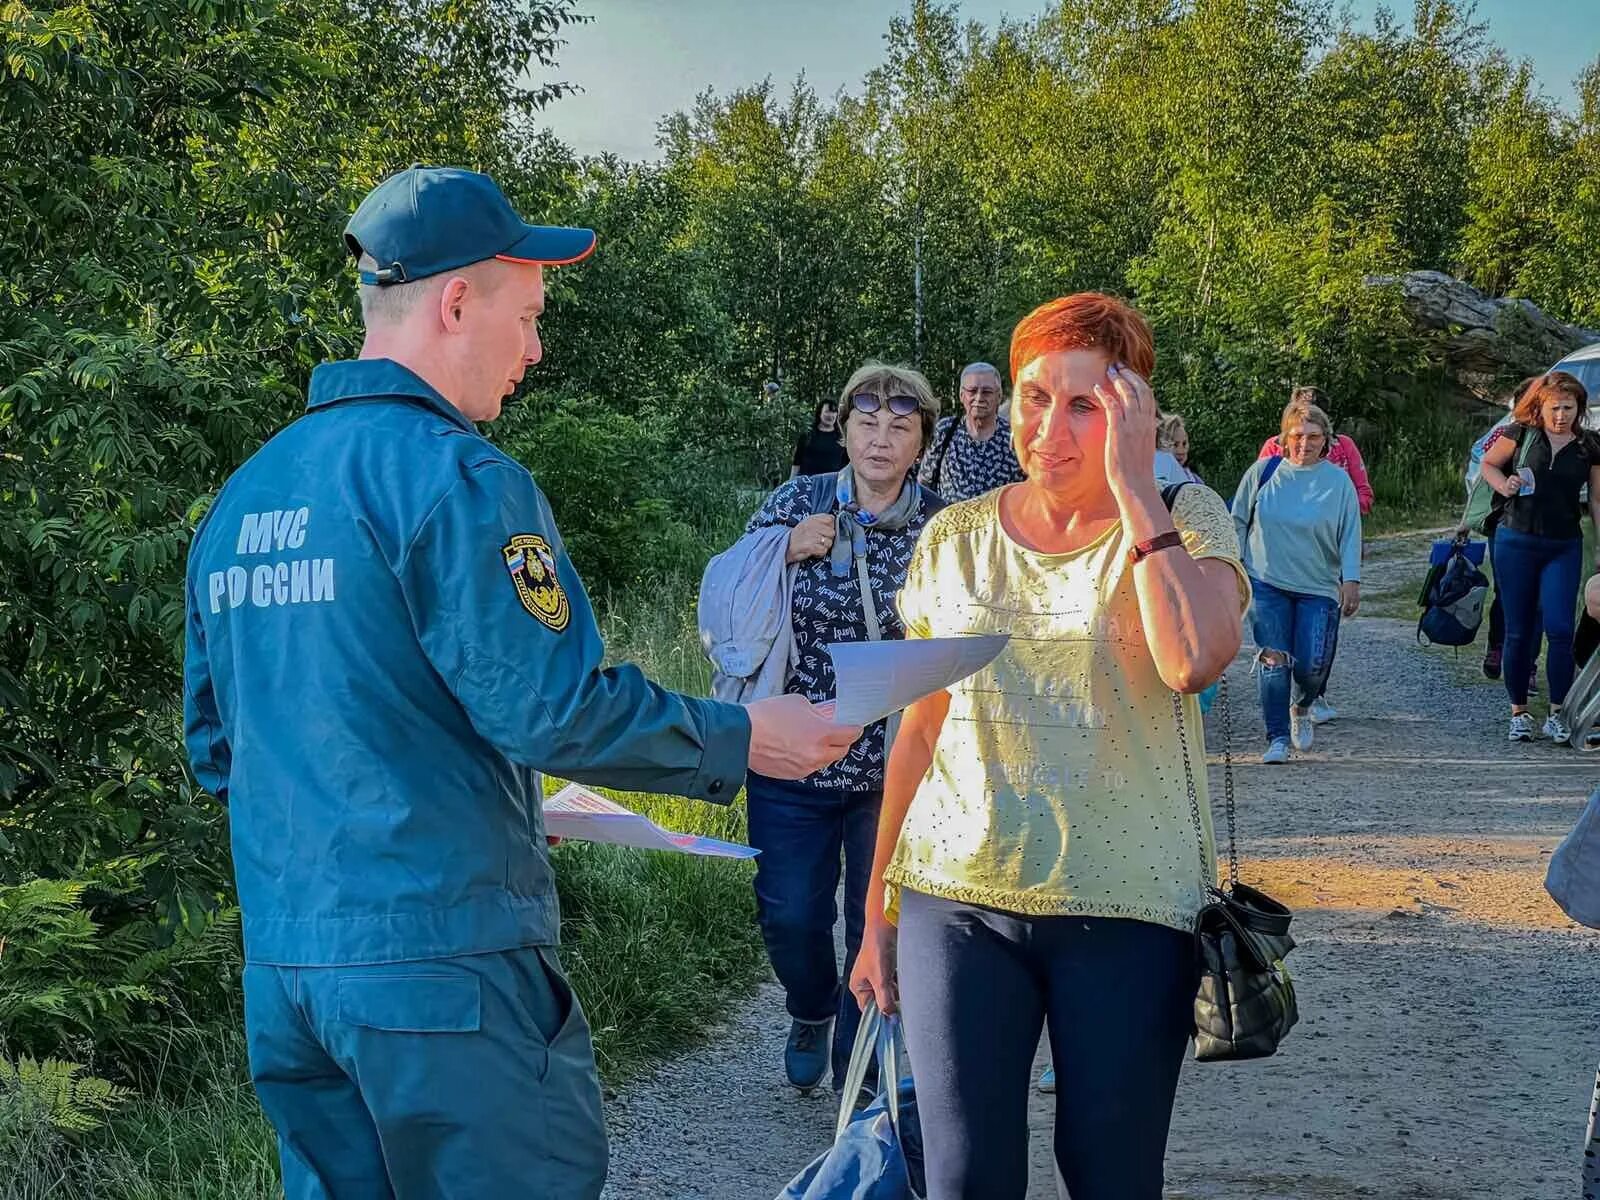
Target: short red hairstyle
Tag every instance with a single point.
(1083, 321)
(1529, 408)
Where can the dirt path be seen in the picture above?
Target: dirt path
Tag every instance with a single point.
(1450, 1030)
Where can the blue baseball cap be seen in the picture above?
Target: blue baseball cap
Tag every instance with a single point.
(427, 220)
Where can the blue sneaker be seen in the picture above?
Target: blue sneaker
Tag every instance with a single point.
(805, 1057)
(1047, 1080)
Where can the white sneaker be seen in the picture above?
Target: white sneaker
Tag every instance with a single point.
(1556, 729)
(1322, 712)
(1278, 752)
(1521, 727)
(1302, 728)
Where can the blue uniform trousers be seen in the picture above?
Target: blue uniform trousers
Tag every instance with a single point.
(431, 1080)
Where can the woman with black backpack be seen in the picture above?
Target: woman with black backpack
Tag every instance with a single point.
(1540, 468)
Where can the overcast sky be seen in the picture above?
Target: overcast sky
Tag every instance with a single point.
(641, 59)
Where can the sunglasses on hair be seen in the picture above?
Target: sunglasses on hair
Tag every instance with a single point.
(870, 402)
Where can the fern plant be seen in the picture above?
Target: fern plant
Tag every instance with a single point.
(60, 1094)
(74, 987)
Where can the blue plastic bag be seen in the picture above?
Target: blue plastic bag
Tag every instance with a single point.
(1573, 878)
(877, 1152)
(1442, 548)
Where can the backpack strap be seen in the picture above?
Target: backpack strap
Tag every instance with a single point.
(824, 490)
(1267, 472)
(1169, 494)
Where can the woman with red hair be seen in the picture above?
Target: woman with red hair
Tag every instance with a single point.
(1039, 846)
(1541, 465)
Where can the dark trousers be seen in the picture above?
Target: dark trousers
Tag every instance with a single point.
(977, 986)
(803, 832)
(1585, 641)
(1538, 578)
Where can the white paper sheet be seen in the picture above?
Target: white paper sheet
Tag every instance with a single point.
(879, 678)
(584, 816)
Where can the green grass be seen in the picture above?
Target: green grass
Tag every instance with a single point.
(656, 945)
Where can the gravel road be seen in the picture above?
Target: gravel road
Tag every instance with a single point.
(1449, 1034)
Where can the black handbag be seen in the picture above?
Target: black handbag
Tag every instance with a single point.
(1245, 1004)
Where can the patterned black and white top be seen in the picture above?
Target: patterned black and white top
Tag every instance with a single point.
(969, 468)
(825, 610)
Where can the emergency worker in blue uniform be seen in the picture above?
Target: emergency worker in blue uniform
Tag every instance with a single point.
(386, 642)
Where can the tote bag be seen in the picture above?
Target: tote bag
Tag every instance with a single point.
(877, 1152)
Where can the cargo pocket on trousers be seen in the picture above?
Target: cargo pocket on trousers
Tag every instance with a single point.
(571, 1128)
(412, 1003)
(558, 1017)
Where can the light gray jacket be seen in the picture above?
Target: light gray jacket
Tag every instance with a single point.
(744, 618)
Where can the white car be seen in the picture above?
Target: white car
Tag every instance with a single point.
(1585, 364)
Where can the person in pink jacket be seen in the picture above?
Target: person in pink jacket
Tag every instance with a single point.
(1342, 453)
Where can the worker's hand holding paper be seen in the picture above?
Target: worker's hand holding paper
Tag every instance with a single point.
(878, 678)
(577, 813)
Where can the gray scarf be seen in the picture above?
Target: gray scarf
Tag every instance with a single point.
(851, 522)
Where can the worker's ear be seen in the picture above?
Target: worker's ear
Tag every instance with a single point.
(452, 297)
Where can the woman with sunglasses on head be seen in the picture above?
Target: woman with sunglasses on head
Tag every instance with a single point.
(1039, 860)
(1541, 466)
(868, 514)
(1298, 519)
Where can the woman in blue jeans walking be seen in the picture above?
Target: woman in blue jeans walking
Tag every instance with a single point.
(803, 829)
(1540, 468)
(1298, 521)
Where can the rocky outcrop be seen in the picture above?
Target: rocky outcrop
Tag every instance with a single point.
(1485, 339)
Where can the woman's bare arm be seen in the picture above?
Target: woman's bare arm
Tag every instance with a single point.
(908, 763)
(1495, 461)
(1191, 610)
(874, 975)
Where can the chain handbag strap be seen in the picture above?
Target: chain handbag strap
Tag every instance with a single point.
(1227, 785)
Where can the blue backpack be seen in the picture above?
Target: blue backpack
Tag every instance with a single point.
(877, 1152)
(1452, 600)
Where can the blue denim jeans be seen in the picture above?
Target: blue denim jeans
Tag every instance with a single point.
(1306, 630)
(802, 833)
(1538, 578)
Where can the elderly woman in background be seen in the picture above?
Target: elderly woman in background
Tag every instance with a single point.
(1299, 521)
(1541, 464)
(1037, 844)
(870, 515)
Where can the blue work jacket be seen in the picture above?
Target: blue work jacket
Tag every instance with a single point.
(386, 642)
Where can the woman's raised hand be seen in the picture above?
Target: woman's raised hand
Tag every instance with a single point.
(812, 538)
(1130, 428)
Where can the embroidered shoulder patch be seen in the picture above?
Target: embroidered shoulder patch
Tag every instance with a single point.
(532, 568)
